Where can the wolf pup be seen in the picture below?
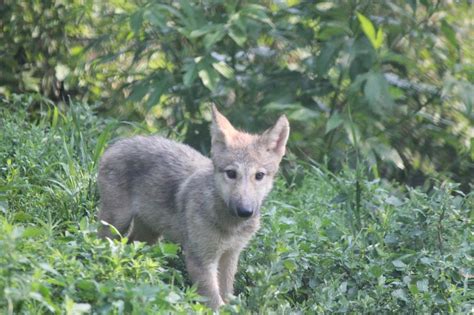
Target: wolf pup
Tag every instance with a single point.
(152, 187)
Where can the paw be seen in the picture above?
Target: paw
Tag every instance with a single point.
(215, 303)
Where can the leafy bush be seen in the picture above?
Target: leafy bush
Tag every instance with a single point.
(390, 81)
(324, 246)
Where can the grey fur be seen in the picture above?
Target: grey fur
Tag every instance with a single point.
(152, 187)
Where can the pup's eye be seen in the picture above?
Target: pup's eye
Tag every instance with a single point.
(231, 174)
(259, 175)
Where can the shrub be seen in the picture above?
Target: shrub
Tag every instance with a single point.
(389, 81)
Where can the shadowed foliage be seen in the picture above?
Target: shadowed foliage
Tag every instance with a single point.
(390, 82)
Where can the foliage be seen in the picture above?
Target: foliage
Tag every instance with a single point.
(390, 81)
(324, 245)
(35, 54)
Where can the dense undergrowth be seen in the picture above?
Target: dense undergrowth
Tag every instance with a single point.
(322, 248)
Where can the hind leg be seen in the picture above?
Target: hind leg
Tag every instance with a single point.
(120, 219)
(121, 223)
(140, 231)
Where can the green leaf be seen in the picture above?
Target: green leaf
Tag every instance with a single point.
(33, 232)
(209, 77)
(201, 31)
(352, 132)
(377, 93)
(399, 264)
(379, 39)
(449, 33)
(192, 15)
(334, 121)
(136, 21)
(86, 285)
(292, 3)
(155, 17)
(22, 216)
(55, 117)
(48, 268)
(327, 55)
(289, 265)
(3, 205)
(303, 114)
(332, 29)
(102, 143)
(211, 38)
(343, 287)
(172, 297)
(400, 294)
(256, 12)
(422, 285)
(376, 271)
(390, 56)
(387, 153)
(413, 289)
(426, 260)
(190, 73)
(238, 35)
(413, 5)
(169, 249)
(394, 201)
(224, 69)
(138, 92)
(44, 301)
(367, 27)
(155, 95)
(76, 50)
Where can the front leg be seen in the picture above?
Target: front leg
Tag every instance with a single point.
(204, 275)
(227, 269)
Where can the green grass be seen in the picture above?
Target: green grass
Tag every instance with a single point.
(401, 251)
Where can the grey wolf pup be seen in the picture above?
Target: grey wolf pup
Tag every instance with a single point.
(152, 187)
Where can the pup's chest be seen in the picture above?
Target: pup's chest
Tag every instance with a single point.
(237, 237)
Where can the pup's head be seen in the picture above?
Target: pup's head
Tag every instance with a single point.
(245, 164)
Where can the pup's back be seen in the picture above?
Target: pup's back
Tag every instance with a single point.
(139, 178)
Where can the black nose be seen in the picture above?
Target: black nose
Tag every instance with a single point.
(244, 212)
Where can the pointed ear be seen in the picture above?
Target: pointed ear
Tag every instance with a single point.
(221, 129)
(276, 137)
